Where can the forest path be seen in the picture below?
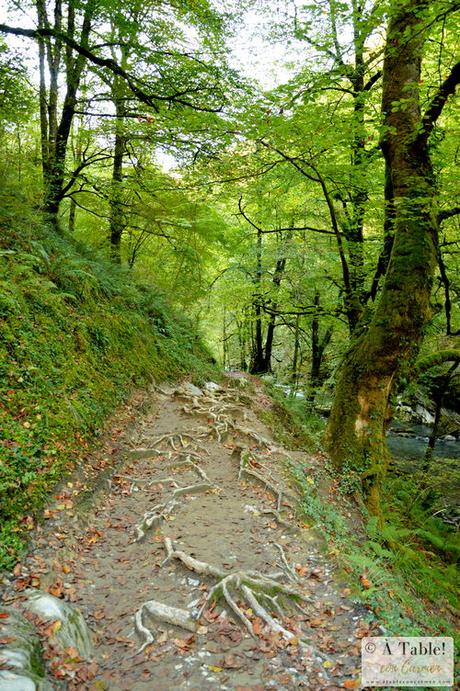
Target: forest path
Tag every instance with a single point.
(200, 477)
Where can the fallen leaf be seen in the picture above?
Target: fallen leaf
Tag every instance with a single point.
(52, 628)
(232, 662)
(184, 643)
(72, 653)
(21, 584)
(293, 641)
(351, 684)
(56, 588)
(302, 570)
(7, 639)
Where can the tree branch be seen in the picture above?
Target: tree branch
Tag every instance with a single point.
(446, 89)
(448, 213)
(110, 64)
(372, 80)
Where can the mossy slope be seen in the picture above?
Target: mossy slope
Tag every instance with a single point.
(76, 334)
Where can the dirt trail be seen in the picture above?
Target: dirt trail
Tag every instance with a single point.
(236, 515)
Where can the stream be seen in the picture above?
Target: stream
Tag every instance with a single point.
(408, 442)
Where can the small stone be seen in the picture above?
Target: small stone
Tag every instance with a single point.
(191, 390)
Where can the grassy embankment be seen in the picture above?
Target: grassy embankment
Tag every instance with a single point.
(76, 336)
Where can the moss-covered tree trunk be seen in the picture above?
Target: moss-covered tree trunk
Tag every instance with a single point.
(356, 431)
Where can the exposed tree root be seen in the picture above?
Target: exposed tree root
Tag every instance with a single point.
(291, 574)
(160, 512)
(202, 568)
(278, 492)
(167, 615)
(178, 438)
(251, 586)
(278, 518)
(261, 612)
(188, 463)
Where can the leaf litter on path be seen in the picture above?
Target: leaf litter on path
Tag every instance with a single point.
(93, 558)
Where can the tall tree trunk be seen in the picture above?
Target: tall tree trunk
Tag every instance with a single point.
(355, 435)
(241, 330)
(117, 216)
(353, 230)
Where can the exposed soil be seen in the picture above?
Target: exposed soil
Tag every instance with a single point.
(108, 554)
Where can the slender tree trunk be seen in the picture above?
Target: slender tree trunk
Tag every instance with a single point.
(356, 431)
(117, 210)
(241, 326)
(295, 357)
(72, 215)
(353, 230)
(225, 359)
(55, 131)
(257, 359)
(318, 346)
(267, 356)
(117, 219)
(439, 400)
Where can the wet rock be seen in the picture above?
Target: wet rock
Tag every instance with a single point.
(22, 655)
(424, 415)
(73, 631)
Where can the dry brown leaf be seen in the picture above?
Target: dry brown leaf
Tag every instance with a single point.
(56, 588)
(52, 628)
(7, 639)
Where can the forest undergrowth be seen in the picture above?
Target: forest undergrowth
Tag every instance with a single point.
(406, 571)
